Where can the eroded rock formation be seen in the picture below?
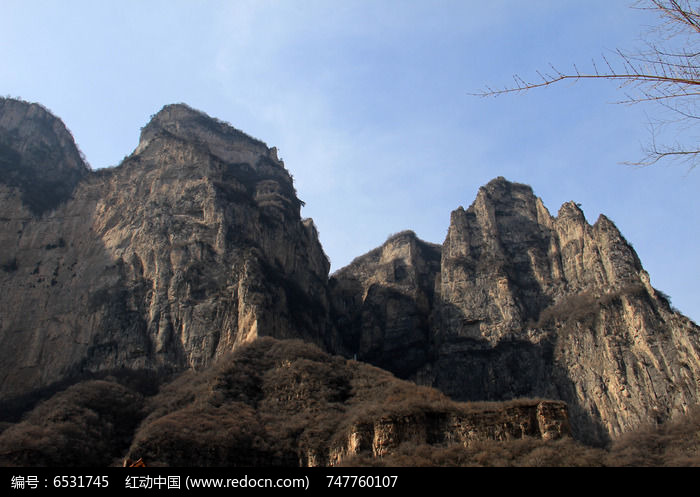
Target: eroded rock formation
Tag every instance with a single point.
(528, 304)
(545, 420)
(383, 303)
(192, 245)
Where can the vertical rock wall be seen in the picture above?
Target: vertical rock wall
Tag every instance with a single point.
(525, 304)
(191, 246)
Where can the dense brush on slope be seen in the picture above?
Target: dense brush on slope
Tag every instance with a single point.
(88, 424)
(270, 403)
(286, 403)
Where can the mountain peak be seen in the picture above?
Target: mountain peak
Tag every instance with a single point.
(196, 247)
(180, 121)
(38, 156)
(571, 210)
(500, 186)
(503, 195)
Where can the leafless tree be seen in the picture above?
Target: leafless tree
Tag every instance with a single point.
(666, 72)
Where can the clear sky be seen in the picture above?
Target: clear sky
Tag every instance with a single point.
(369, 105)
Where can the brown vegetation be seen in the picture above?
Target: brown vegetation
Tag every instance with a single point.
(90, 423)
(675, 443)
(287, 403)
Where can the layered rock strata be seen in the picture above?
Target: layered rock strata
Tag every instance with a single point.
(545, 420)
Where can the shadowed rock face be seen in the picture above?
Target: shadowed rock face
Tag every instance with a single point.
(384, 301)
(39, 161)
(525, 304)
(191, 246)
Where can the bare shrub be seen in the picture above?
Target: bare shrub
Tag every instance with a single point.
(675, 443)
(286, 403)
(86, 425)
(214, 436)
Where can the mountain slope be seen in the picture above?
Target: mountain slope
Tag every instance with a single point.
(269, 403)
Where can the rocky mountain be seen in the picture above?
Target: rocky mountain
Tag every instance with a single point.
(383, 304)
(192, 245)
(40, 164)
(193, 248)
(519, 303)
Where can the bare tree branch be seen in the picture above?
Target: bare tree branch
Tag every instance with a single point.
(658, 75)
(522, 85)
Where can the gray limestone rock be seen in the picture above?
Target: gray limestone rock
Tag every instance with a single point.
(525, 304)
(193, 245)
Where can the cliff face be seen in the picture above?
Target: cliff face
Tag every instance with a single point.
(544, 420)
(526, 304)
(39, 161)
(383, 303)
(193, 245)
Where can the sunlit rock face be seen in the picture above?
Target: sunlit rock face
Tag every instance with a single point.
(524, 304)
(191, 246)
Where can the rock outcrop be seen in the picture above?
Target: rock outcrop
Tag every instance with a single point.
(545, 420)
(383, 303)
(191, 246)
(40, 164)
(526, 304)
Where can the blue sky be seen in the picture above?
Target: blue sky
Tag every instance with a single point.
(369, 105)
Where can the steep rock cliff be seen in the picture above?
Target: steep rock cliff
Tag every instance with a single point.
(40, 164)
(527, 304)
(383, 303)
(191, 246)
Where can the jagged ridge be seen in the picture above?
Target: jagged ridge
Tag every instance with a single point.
(522, 303)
